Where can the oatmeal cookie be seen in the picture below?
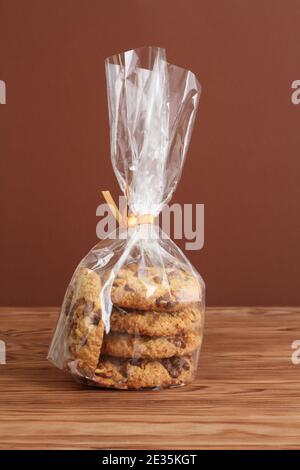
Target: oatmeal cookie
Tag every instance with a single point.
(143, 373)
(85, 285)
(151, 288)
(127, 346)
(86, 326)
(153, 323)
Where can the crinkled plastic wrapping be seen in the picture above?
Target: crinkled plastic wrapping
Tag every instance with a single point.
(133, 313)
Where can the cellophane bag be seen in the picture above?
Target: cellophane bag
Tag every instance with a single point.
(133, 313)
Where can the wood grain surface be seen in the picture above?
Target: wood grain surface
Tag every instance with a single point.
(247, 393)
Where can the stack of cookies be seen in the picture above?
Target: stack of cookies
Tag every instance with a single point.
(155, 328)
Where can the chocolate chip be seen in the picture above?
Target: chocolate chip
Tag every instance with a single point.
(136, 362)
(173, 371)
(175, 365)
(129, 289)
(96, 318)
(164, 301)
(157, 279)
(178, 342)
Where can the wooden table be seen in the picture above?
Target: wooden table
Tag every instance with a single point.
(247, 394)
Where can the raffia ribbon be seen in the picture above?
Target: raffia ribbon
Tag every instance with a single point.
(126, 220)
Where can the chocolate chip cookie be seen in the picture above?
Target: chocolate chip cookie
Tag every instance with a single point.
(86, 327)
(131, 346)
(143, 373)
(86, 284)
(152, 288)
(154, 323)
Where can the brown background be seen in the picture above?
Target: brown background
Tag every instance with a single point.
(244, 158)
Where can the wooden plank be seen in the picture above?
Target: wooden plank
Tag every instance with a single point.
(246, 394)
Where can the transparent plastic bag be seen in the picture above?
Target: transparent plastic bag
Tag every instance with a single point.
(133, 313)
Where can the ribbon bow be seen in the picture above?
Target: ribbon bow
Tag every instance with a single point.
(126, 220)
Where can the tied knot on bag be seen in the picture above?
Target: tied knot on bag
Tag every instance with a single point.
(126, 220)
